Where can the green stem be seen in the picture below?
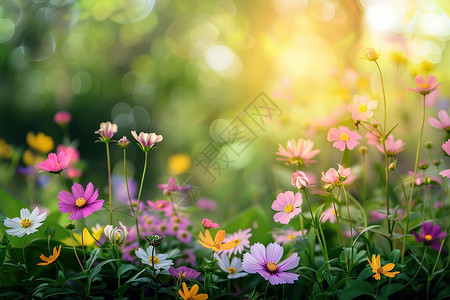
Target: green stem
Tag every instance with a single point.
(142, 178)
(351, 227)
(109, 183)
(418, 269)
(118, 266)
(23, 252)
(265, 291)
(340, 228)
(135, 213)
(75, 251)
(63, 182)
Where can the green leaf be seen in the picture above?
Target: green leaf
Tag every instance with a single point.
(301, 243)
(92, 259)
(94, 272)
(444, 294)
(365, 273)
(134, 277)
(393, 287)
(393, 258)
(368, 228)
(356, 288)
(10, 206)
(57, 291)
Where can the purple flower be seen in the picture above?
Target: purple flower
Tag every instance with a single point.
(183, 273)
(172, 186)
(265, 262)
(430, 236)
(80, 203)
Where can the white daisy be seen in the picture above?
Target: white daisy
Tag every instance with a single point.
(233, 269)
(26, 224)
(160, 261)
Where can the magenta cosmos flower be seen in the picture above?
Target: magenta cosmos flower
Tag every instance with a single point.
(287, 204)
(208, 224)
(147, 140)
(266, 263)
(298, 153)
(343, 138)
(183, 273)
(443, 122)
(430, 236)
(393, 147)
(446, 148)
(172, 186)
(424, 87)
(55, 163)
(106, 131)
(362, 108)
(62, 117)
(79, 203)
(299, 179)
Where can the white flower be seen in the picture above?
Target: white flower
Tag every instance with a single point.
(116, 236)
(160, 261)
(233, 269)
(26, 224)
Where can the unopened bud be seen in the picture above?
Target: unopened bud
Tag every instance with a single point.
(155, 240)
(123, 142)
(70, 226)
(362, 150)
(428, 144)
(371, 54)
(427, 180)
(328, 187)
(423, 165)
(436, 162)
(392, 166)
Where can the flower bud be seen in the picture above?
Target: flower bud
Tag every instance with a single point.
(123, 142)
(362, 150)
(392, 166)
(428, 144)
(423, 165)
(328, 187)
(70, 226)
(155, 240)
(299, 180)
(208, 224)
(436, 162)
(116, 236)
(371, 54)
(427, 180)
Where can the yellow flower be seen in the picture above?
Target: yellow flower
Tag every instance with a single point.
(179, 163)
(6, 150)
(88, 240)
(378, 270)
(40, 142)
(51, 258)
(216, 244)
(28, 158)
(371, 54)
(187, 294)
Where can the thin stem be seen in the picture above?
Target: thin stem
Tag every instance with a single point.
(351, 227)
(418, 269)
(118, 266)
(109, 183)
(63, 182)
(173, 205)
(265, 291)
(301, 223)
(135, 213)
(142, 178)
(23, 252)
(82, 242)
(30, 185)
(75, 251)
(340, 229)
(378, 282)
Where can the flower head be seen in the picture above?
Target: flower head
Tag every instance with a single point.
(299, 179)
(116, 236)
(233, 268)
(26, 224)
(85, 238)
(443, 122)
(283, 236)
(362, 108)
(55, 163)
(242, 236)
(371, 54)
(329, 215)
(425, 87)
(123, 142)
(393, 147)
(172, 186)
(191, 294)
(158, 261)
(106, 131)
(343, 138)
(51, 258)
(183, 273)
(298, 153)
(335, 177)
(378, 270)
(79, 203)
(208, 224)
(147, 140)
(266, 262)
(40, 142)
(217, 244)
(288, 206)
(179, 163)
(446, 148)
(62, 117)
(430, 236)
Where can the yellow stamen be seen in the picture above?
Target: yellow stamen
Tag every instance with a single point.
(25, 223)
(424, 85)
(428, 238)
(362, 108)
(80, 202)
(153, 260)
(291, 237)
(344, 137)
(272, 266)
(288, 208)
(232, 270)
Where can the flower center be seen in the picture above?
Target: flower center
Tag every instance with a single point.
(288, 208)
(272, 266)
(424, 85)
(181, 274)
(291, 237)
(344, 137)
(362, 108)
(154, 260)
(80, 202)
(57, 163)
(428, 238)
(380, 270)
(25, 223)
(296, 160)
(232, 270)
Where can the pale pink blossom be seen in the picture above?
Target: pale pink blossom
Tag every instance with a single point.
(343, 138)
(328, 215)
(288, 206)
(443, 122)
(424, 87)
(106, 131)
(373, 135)
(446, 148)
(393, 147)
(70, 150)
(335, 177)
(147, 140)
(299, 179)
(285, 236)
(299, 153)
(242, 236)
(208, 224)
(362, 108)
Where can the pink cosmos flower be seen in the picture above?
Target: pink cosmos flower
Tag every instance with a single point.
(343, 137)
(106, 131)
(393, 147)
(425, 87)
(265, 262)
(242, 236)
(446, 148)
(70, 150)
(55, 163)
(373, 135)
(79, 203)
(172, 186)
(443, 123)
(147, 140)
(208, 224)
(362, 108)
(299, 179)
(206, 204)
(299, 153)
(123, 142)
(336, 178)
(283, 236)
(287, 204)
(62, 117)
(328, 215)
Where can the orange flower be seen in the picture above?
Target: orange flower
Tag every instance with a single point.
(51, 258)
(187, 294)
(377, 269)
(216, 244)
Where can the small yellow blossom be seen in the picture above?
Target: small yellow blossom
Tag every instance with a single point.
(179, 163)
(40, 142)
(51, 258)
(88, 240)
(28, 158)
(191, 294)
(6, 150)
(378, 270)
(216, 244)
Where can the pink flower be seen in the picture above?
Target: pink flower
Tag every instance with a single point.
(362, 108)
(299, 153)
(62, 117)
(343, 137)
(443, 123)
(287, 204)
(206, 204)
(106, 131)
(79, 203)
(55, 163)
(172, 186)
(446, 148)
(123, 142)
(425, 87)
(283, 236)
(147, 140)
(70, 150)
(328, 215)
(334, 178)
(299, 179)
(160, 205)
(373, 135)
(242, 236)
(393, 147)
(208, 224)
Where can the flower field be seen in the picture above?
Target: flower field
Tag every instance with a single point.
(332, 183)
